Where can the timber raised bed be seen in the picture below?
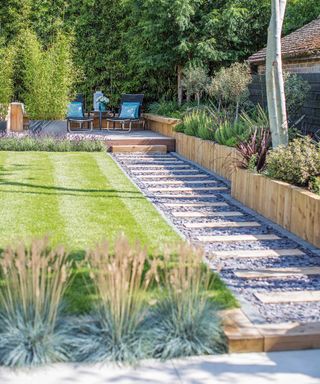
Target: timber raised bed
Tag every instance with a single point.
(161, 124)
(294, 208)
(215, 157)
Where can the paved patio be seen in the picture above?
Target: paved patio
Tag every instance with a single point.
(300, 367)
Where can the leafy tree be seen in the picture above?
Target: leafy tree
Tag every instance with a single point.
(195, 81)
(14, 17)
(230, 87)
(6, 79)
(299, 13)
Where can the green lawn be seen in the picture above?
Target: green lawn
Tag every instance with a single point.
(76, 198)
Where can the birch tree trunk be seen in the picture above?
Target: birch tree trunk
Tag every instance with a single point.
(274, 77)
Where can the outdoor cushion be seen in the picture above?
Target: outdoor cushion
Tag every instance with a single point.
(75, 110)
(129, 110)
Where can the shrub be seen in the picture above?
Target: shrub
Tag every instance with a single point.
(298, 163)
(296, 90)
(6, 80)
(48, 76)
(185, 322)
(198, 123)
(115, 330)
(31, 328)
(73, 143)
(230, 133)
(229, 86)
(194, 81)
(170, 108)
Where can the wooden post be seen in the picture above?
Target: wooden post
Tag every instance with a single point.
(15, 122)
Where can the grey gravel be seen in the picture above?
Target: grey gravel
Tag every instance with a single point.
(244, 288)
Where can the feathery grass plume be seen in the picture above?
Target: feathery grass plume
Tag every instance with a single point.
(115, 330)
(34, 280)
(185, 322)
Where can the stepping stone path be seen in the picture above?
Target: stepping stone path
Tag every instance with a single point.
(278, 277)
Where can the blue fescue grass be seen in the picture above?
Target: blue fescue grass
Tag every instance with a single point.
(31, 328)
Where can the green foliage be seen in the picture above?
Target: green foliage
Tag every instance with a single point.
(230, 133)
(136, 46)
(168, 108)
(229, 86)
(50, 144)
(6, 79)
(194, 81)
(48, 76)
(298, 163)
(299, 13)
(257, 118)
(296, 90)
(198, 123)
(314, 184)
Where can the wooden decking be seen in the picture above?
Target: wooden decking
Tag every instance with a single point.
(134, 138)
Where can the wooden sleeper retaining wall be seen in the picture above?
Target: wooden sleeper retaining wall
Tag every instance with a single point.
(294, 208)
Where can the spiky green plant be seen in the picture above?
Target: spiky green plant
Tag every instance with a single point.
(115, 331)
(185, 322)
(199, 123)
(34, 281)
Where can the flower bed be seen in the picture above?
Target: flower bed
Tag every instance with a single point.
(215, 157)
(294, 208)
(69, 143)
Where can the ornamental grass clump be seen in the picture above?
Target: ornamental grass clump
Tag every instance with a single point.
(115, 331)
(34, 280)
(185, 320)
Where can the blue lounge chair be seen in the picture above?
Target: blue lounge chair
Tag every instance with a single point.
(129, 112)
(76, 115)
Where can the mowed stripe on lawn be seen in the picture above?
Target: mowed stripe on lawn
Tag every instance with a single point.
(95, 202)
(149, 225)
(28, 198)
(76, 198)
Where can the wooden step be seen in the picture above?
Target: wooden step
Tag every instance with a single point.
(236, 238)
(145, 156)
(244, 336)
(151, 160)
(139, 148)
(277, 273)
(187, 189)
(179, 182)
(223, 224)
(164, 167)
(194, 205)
(277, 297)
(206, 214)
(185, 196)
(154, 162)
(170, 176)
(163, 171)
(258, 253)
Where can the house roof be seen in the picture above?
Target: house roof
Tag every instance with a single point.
(301, 43)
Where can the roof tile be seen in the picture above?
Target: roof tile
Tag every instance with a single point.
(303, 42)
